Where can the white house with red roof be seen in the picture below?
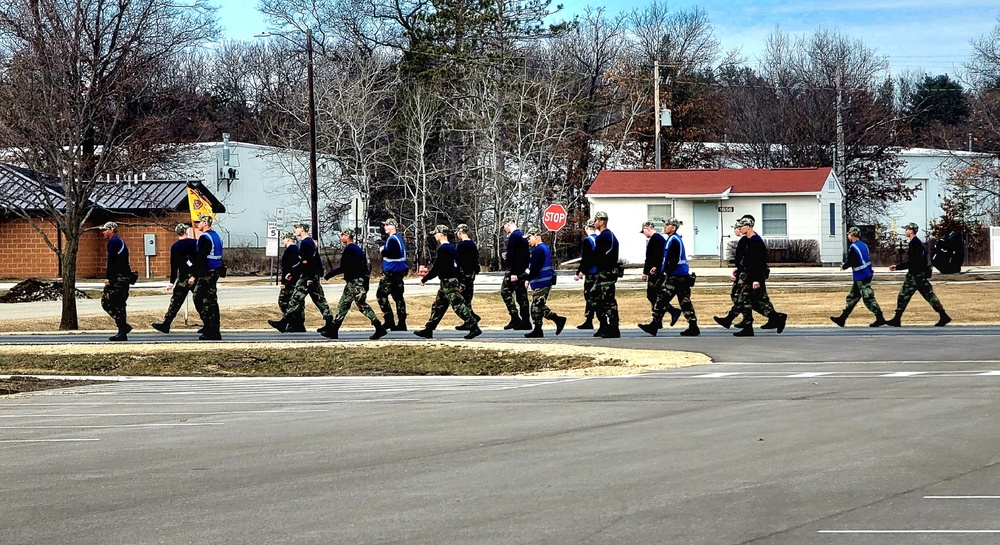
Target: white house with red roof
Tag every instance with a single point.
(788, 204)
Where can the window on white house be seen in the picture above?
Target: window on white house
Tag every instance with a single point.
(774, 220)
(659, 212)
(833, 219)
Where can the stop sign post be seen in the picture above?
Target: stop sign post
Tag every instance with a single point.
(554, 217)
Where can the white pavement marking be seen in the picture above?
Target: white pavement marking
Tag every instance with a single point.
(715, 375)
(103, 415)
(46, 440)
(904, 374)
(990, 374)
(908, 532)
(962, 497)
(87, 426)
(808, 375)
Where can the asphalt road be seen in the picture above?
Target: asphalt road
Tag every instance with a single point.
(816, 436)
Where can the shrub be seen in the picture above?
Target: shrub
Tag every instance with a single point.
(783, 250)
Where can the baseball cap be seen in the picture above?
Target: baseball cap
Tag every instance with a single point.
(347, 233)
(462, 227)
(533, 232)
(390, 221)
(854, 231)
(443, 229)
(109, 225)
(304, 225)
(181, 228)
(289, 235)
(601, 216)
(646, 224)
(673, 221)
(912, 227)
(744, 222)
(206, 218)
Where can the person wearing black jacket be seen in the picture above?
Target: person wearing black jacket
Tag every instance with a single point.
(734, 294)
(289, 273)
(308, 283)
(118, 278)
(606, 252)
(651, 273)
(468, 264)
(918, 274)
(446, 269)
(587, 270)
(182, 255)
(516, 262)
(354, 267)
(753, 292)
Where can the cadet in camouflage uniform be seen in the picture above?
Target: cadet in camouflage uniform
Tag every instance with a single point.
(182, 256)
(468, 265)
(516, 261)
(446, 269)
(606, 252)
(205, 277)
(394, 270)
(540, 278)
(354, 266)
(587, 270)
(289, 271)
(734, 294)
(753, 291)
(651, 272)
(114, 299)
(677, 282)
(308, 283)
(918, 274)
(861, 268)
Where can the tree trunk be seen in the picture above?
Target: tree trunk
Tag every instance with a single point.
(70, 320)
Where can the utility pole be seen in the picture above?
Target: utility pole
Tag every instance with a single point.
(656, 111)
(838, 163)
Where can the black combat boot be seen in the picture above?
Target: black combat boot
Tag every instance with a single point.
(401, 324)
(332, 332)
(425, 333)
(840, 320)
(743, 322)
(122, 334)
(380, 331)
(895, 321)
(210, 334)
(745, 332)
(474, 331)
(280, 325)
(943, 319)
(725, 321)
(879, 320)
(525, 321)
(588, 324)
(560, 322)
(603, 324)
(776, 321)
(611, 332)
(692, 331)
(390, 321)
(652, 327)
(327, 325)
(536, 332)
(515, 321)
(675, 314)
(296, 325)
(162, 327)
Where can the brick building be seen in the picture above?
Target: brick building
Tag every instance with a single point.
(140, 207)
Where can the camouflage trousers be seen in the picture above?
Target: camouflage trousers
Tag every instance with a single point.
(354, 292)
(114, 300)
(509, 291)
(391, 285)
(654, 285)
(177, 297)
(605, 303)
(468, 285)
(285, 298)
(450, 293)
(206, 300)
(674, 286)
(749, 299)
(861, 290)
(589, 297)
(734, 295)
(539, 305)
(917, 282)
(307, 286)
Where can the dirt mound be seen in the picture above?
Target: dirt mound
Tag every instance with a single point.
(35, 290)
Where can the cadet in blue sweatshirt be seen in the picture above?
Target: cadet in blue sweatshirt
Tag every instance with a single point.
(540, 278)
(354, 267)
(446, 269)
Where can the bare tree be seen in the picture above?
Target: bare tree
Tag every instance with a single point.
(78, 80)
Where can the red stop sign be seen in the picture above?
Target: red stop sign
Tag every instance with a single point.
(554, 217)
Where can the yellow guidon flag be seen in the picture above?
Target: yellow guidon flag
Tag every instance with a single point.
(199, 205)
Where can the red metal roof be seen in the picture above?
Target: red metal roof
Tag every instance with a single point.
(709, 181)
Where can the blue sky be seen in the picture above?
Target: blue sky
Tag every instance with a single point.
(930, 36)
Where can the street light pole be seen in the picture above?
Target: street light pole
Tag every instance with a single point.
(313, 185)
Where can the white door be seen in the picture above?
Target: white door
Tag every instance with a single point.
(706, 229)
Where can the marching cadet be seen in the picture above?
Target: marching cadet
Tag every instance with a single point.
(861, 289)
(182, 256)
(753, 292)
(734, 294)
(516, 261)
(918, 274)
(289, 274)
(354, 266)
(677, 281)
(587, 270)
(114, 298)
(205, 278)
(606, 250)
(394, 271)
(468, 265)
(308, 283)
(652, 271)
(540, 278)
(446, 269)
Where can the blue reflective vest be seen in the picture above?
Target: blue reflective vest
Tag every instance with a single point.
(682, 268)
(214, 260)
(542, 277)
(394, 264)
(864, 270)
